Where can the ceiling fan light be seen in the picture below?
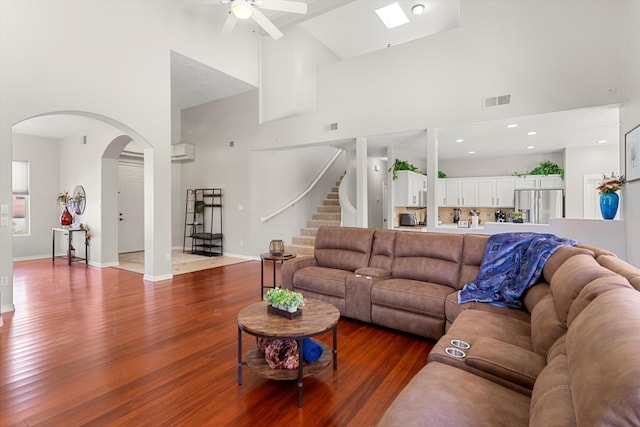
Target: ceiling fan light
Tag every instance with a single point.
(417, 9)
(242, 9)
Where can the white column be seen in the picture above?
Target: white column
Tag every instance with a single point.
(432, 175)
(157, 207)
(362, 207)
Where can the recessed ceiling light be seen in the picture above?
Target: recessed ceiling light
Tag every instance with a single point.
(531, 147)
(531, 133)
(472, 152)
(392, 15)
(417, 9)
(602, 141)
(459, 140)
(512, 125)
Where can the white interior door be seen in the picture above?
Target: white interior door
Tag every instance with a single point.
(130, 208)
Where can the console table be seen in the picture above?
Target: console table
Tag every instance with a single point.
(70, 256)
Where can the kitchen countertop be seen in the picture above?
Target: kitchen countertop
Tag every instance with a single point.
(605, 234)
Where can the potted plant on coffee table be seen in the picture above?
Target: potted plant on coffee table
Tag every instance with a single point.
(284, 299)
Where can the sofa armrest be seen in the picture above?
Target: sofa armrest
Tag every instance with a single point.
(290, 266)
(373, 272)
(507, 361)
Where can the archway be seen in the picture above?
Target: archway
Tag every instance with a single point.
(106, 142)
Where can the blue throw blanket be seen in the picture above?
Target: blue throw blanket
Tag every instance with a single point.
(311, 350)
(512, 263)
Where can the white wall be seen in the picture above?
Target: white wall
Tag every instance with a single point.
(497, 166)
(42, 155)
(579, 162)
(255, 182)
(375, 181)
(526, 48)
(288, 75)
(630, 118)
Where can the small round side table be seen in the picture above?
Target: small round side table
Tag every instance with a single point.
(274, 259)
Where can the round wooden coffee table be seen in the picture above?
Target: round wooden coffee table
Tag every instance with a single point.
(317, 317)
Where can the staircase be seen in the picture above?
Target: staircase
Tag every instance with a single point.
(329, 214)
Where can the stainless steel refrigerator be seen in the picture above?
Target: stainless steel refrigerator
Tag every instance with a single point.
(540, 205)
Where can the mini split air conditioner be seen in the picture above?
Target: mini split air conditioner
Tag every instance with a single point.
(183, 152)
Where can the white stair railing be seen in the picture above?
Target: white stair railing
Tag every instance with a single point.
(307, 191)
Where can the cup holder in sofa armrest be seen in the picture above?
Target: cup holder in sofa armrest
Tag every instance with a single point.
(373, 272)
(507, 361)
(463, 345)
(455, 352)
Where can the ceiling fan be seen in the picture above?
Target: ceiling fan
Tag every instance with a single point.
(245, 9)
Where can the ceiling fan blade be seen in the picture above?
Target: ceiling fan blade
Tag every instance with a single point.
(266, 25)
(229, 24)
(283, 6)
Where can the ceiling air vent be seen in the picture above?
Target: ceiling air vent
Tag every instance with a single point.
(494, 101)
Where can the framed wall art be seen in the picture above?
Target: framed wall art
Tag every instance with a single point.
(632, 154)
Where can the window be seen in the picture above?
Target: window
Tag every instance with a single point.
(20, 197)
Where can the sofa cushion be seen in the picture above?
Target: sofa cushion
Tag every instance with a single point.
(453, 309)
(535, 294)
(472, 324)
(592, 290)
(574, 274)
(558, 348)
(604, 361)
(546, 326)
(613, 263)
(551, 402)
(382, 249)
(428, 257)
(411, 295)
(473, 248)
(506, 361)
(343, 248)
(441, 395)
(328, 281)
(560, 256)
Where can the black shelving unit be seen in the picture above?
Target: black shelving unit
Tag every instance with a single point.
(203, 222)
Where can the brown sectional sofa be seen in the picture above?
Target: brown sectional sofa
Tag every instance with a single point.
(570, 356)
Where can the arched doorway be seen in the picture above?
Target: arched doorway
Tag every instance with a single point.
(93, 163)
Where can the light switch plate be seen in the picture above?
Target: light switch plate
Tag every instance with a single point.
(4, 221)
(4, 209)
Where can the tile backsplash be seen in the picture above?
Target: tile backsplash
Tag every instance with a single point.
(486, 214)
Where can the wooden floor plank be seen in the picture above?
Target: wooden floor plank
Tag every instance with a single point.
(90, 346)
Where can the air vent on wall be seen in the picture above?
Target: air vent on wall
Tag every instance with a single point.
(494, 101)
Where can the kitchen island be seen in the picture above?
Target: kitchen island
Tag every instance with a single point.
(606, 234)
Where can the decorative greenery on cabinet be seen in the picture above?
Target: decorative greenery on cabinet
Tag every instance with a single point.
(545, 168)
(403, 165)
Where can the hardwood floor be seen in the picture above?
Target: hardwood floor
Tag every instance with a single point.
(90, 346)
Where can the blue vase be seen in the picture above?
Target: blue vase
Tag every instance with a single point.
(609, 205)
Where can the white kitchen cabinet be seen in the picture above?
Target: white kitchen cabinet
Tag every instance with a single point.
(504, 192)
(460, 192)
(441, 194)
(551, 181)
(409, 189)
(495, 192)
(538, 181)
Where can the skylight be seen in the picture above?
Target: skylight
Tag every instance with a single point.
(392, 15)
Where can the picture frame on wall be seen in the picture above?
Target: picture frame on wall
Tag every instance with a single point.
(632, 154)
